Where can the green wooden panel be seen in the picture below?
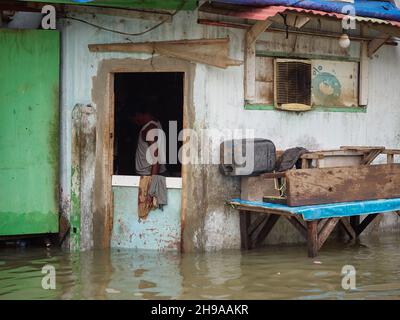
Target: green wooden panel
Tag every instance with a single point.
(29, 131)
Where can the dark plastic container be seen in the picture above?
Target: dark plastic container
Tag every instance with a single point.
(237, 158)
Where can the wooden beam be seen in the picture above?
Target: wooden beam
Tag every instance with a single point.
(255, 31)
(354, 222)
(348, 228)
(214, 52)
(326, 231)
(312, 238)
(263, 210)
(321, 224)
(363, 148)
(298, 225)
(363, 81)
(250, 58)
(273, 175)
(264, 231)
(375, 44)
(152, 15)
(256, 223)
(20, 6)
(371, 156)
(148, 46)
(367, 220)
(391, 151)
(244, 225)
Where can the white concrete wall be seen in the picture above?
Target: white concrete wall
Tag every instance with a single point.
(218, 103)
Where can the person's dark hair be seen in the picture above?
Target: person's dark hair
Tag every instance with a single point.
(150, 106)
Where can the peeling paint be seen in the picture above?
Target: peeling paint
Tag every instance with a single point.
(216, 102)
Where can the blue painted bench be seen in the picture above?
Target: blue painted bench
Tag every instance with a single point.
(314, 222)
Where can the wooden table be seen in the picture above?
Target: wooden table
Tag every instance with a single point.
(314, 223)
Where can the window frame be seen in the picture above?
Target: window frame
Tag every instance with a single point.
(362, 83)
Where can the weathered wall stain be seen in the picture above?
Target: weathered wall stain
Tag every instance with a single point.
(217, 102)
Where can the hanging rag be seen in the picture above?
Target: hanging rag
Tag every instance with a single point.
(144, 203)
(158, 190)
(289, 159)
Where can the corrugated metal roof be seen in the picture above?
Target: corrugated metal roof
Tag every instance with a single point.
(263, 13)
(341, 16)
(363, 8)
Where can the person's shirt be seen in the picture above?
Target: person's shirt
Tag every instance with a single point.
(143, 167)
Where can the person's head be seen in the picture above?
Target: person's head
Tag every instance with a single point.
(145, 110)
(142, 117)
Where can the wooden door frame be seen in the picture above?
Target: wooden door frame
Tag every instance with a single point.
(103, 97)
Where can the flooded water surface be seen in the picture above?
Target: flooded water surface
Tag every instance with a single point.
(273, 272)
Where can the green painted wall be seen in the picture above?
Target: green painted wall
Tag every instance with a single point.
(29, 131)
(145, 4)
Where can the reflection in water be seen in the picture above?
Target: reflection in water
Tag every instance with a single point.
(274, 272)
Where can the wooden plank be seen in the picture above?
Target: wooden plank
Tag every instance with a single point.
(390, 158)
(367, 220)
(312, 238)
(363, 80)
(298, 225)
(362, 148)
(254, 32)
(391, 151)
(342, 184)
(259, 237)
(244, 225)
(250, 58)
(145, 14)
(348, 228)
(273, 175)
(256, 187)
(256, 223)
(250, 73)
(326, 231)
(371, 156)
(354, 222)
(213, 52)
(304, 163)
(375, 44)
(321, 224)
(259, 209)
(275, 199)
(312, 155)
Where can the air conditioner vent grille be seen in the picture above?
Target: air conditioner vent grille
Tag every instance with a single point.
(293, 82)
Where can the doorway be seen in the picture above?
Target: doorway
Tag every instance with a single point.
(114, 196)
(160, 93)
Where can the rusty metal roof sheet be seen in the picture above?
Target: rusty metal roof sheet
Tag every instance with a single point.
(263, 13)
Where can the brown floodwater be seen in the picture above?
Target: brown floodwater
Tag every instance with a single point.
(273, 272)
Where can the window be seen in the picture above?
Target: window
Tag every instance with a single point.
(312, 82)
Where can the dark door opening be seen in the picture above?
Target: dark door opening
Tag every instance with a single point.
(160, 92)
